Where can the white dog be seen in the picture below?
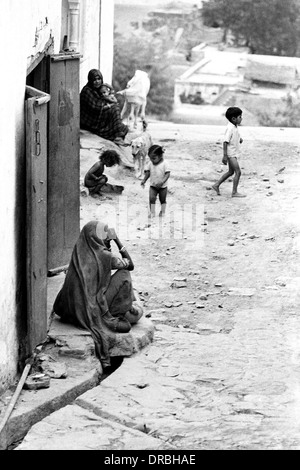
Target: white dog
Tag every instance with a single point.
(135, 94)
(139, 148)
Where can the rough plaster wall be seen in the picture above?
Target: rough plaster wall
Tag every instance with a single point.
(18, 21)
(89, 37)
(96, 47)
(39, 10)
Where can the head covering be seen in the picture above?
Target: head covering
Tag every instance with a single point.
(101, 231)
(93, 74)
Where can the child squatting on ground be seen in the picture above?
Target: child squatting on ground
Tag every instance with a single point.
(95, 180)
(231, 150)
(158, 172)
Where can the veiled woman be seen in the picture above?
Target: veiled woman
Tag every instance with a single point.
(95, 116)
(92, 297)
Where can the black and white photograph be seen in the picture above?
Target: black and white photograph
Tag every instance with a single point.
(150, 228)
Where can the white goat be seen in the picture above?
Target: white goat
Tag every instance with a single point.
(135, 95)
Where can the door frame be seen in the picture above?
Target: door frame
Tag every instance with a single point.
(36, 112)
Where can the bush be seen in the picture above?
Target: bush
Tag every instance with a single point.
(287, 114)
(270, 112)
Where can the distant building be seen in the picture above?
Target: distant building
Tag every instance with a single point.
(266, 71)
(216, 72)
(173, 18)
(220, 74)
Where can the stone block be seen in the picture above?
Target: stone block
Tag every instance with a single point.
(127, 344)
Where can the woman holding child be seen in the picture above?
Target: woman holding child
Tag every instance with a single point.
(100, 112)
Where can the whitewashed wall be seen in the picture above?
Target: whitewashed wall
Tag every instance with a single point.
(37, 11)
(96, 38)
(18, 22)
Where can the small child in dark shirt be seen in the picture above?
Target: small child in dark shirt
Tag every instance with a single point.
(94, 179)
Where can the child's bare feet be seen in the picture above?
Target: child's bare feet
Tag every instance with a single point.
(216, 189)
(238, 195)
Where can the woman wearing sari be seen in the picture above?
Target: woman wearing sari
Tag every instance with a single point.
(92, 297)
(96, 116)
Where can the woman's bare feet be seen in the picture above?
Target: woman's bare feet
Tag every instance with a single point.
(216, 188)
(238, 195)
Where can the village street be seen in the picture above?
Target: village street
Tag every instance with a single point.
(222, 290)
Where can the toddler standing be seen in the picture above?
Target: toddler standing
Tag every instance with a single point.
(158, 172)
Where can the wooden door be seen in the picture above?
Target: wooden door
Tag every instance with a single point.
(36, 229)
(63, 160)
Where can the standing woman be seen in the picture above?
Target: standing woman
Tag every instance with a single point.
(95, 116)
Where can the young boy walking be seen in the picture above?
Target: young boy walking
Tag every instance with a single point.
(158, 172)
(231, 150)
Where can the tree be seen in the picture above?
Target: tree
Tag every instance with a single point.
(135, 53)
(221, 13)
(269, 27)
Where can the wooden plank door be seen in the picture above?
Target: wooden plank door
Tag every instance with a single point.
(63, 159)
(36, 229)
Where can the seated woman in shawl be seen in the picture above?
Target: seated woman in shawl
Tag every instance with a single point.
(92, 297)
(95, 114)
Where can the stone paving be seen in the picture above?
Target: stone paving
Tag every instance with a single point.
(193, 392)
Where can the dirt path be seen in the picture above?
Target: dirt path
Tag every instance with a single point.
(222, 289)
(245, 248)
(237, 287)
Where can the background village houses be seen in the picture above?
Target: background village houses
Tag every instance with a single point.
(219, 78)
(217, 73)
(48, 47)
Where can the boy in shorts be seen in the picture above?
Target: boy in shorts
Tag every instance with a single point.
(231, 151)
